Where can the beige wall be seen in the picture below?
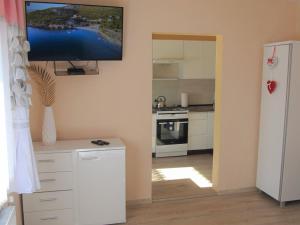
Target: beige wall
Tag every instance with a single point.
(118, 102)
(298, 20)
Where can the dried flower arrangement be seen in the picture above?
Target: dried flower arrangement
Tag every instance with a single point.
(46, 83)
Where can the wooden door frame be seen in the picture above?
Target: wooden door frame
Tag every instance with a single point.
(218, 90)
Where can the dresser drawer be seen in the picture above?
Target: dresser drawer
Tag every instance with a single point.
(47, 201)
(56, 162)
(55, 217)
(59, 181)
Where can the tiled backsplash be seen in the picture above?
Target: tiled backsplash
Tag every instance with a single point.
(199, 91)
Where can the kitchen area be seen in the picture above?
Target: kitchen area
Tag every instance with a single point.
(183, 89)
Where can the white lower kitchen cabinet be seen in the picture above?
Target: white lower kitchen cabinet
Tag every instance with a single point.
(198, 142)
(210, 122)
(153, 132)
(81, 184)
(200, 131)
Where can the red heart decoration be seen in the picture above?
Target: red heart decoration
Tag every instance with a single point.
(270, 61)
(271, 85)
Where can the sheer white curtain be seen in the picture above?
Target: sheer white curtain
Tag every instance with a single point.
(22, 163)
(6, 129)
(18, 171)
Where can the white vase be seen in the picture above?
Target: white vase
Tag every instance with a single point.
(49, 129)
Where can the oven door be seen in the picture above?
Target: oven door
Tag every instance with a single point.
(172, 132)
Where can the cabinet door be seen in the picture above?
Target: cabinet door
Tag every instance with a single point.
(210, 130)
(209, 59)
(153, 132)
(101, 187)
(198, 131)
(199, 60)
(167, 49)
(198, 142)
(198, 127)
(167, 71)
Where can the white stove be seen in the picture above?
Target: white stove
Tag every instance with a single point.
(171, 132)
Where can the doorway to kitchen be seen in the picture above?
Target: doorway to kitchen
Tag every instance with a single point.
(183, 105)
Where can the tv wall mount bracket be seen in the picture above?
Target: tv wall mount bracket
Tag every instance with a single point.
(66, 68)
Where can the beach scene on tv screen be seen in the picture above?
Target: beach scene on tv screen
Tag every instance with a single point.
(73, 32)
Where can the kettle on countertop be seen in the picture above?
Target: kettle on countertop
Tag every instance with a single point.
(161, 102)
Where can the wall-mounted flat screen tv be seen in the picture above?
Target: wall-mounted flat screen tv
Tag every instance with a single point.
(69, 32)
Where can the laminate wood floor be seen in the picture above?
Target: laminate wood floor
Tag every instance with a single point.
(251, 208)
(182, 177)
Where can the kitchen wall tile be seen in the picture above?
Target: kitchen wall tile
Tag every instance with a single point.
(199, 91)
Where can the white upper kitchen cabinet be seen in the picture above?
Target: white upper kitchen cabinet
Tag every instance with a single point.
(167, 49)
(199, 60)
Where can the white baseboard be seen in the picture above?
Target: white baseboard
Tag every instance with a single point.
(138, 202)
(223, 192)
(237, 191)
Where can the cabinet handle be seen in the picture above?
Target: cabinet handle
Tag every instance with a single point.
(47, 180)
(49, 218)
(162, 123)
(90, 158)
(46, 160)
(47, 199)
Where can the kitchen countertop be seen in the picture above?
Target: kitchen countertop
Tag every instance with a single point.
(195, 108)
(201, 108)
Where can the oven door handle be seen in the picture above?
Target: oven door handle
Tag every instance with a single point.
(163, 123)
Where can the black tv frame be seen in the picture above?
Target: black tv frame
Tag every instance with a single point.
(90, 59)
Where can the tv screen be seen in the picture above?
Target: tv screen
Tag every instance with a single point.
(69, 32)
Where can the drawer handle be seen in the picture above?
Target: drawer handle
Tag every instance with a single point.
(48, 180)
(46, 160)
(47, 199)
(90, 158)
(49, 218)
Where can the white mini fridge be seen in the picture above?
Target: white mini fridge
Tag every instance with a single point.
(278, 171)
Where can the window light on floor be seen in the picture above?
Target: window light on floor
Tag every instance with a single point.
(179, 173)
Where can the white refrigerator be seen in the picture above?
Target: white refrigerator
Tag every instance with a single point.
(278, 170)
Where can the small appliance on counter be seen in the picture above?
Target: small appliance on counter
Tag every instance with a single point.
(161, 102)
(184, 100)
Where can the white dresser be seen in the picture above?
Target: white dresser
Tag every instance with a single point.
(81, 184)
